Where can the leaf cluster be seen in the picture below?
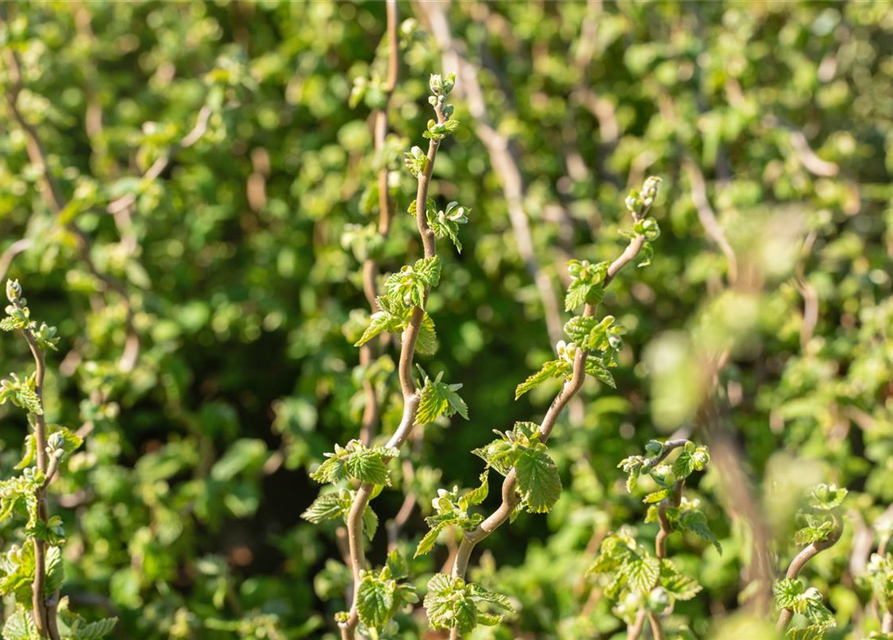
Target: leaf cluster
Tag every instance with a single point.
(538, 482)
(452, 603)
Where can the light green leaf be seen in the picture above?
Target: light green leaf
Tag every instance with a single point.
(642, 572)
(695, 521)
(551, 369)
(479, 494)
(427, 543)
(440, 399)
(538, 480)
(326, 507)
(20, 626)
(678, 586)
(375, 601)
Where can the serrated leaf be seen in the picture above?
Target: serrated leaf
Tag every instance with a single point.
(370, 522)
(325, 507)
(826, 497)
(356, 461)
(656, 496)
(499, 455)
(30, 452)
(479, 494)
(426, 343)
(448, 605)
(642, 573)
(368, 466)
(551, 369)
(428, 270)
(812, 633)
(677, 585)
(692, 458)
(426, 544)
(19, 626)
(695, 521)
(55, 571)
(597, 369)
(375, 602)
(397, 565)
(539, 483)
(440, 399)
(94, 630)
(379, 321)
(577, 293)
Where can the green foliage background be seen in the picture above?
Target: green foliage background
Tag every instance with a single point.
(183, 507)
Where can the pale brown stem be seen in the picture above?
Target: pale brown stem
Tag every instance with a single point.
(807, 157)
(674, 500)
(11, 252)
(660, 543)
(370, 267)
(656, 630)
(708, 217)
(510, 498)
(411, 397)
(40, 442)
(634, 630)
(505, 163)
(55, 201)
(808, 553)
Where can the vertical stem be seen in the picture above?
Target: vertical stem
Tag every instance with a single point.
(411, 397)
(370, 266)
(40, 436)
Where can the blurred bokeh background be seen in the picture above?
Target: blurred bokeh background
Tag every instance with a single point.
(202, 260)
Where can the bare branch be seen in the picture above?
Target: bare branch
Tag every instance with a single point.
(708, 217)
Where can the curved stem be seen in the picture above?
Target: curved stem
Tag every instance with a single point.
(806, 554)
(38, 601)
(411, 397)
(510, 497)
(371, 411)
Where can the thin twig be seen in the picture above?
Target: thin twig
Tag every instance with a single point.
(708, 217)
(807, 157)
(158, 167)
(510, 497)
(505, 163)
(808, 553)
(17, 247)
(370, 266)
(411, 397)
(38, 600)
(55, 201)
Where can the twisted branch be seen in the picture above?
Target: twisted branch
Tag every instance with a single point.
(808, 553)
(510, 497)
(411, 397)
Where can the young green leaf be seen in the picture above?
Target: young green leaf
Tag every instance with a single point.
(538, 481)
(375, 600)
(551, 369)
(440, 399)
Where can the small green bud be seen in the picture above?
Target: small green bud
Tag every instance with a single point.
(13, 290)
